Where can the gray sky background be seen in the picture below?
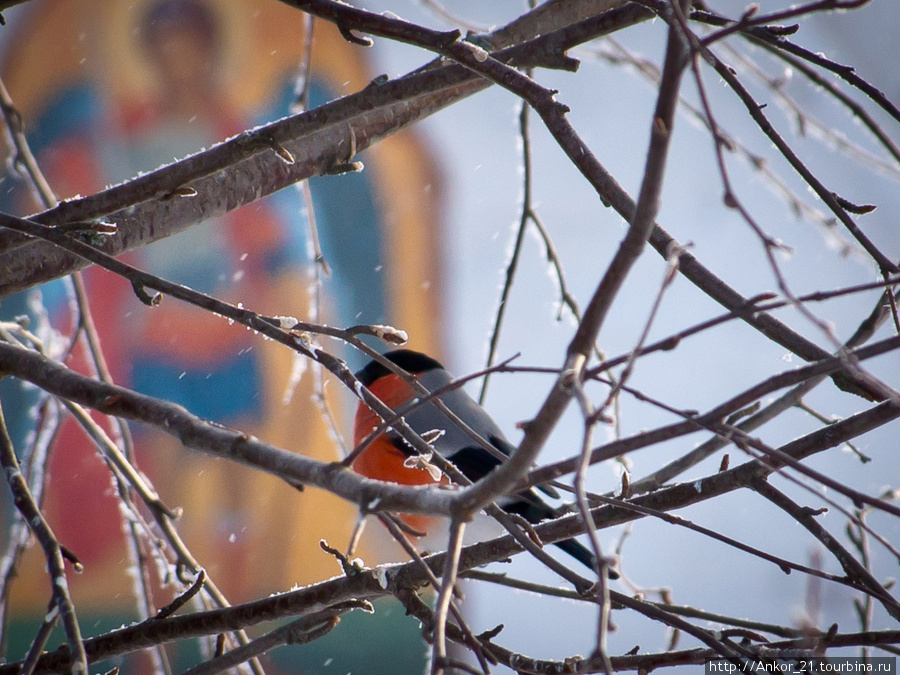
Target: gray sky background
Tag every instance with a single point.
(477, 145)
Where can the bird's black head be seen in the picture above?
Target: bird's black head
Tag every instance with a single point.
(410, 361)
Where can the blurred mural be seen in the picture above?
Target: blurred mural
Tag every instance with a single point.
(109, 89)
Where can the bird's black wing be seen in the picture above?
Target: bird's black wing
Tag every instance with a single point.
(507, 448)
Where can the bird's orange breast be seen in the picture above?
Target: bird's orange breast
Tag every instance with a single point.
(393, 392)
(382, 460)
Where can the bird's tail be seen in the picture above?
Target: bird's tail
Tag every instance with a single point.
(534, 510)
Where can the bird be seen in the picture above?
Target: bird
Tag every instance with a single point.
(388, 456)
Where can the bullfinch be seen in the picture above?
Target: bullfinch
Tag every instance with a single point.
(389, 458)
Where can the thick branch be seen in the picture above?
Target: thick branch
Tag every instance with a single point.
(221, 441)
(260, 162)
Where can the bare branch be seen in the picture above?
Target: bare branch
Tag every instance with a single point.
(61, 600)
(227, 443)
(250, 166)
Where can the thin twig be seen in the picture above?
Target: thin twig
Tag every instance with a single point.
(750, 18)
(827, 196)
(852, 567)
(393, 525)
(513, 264)
(51, 618)
(297, 632)
(602, 586)
(442, 604)
(61, 598)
